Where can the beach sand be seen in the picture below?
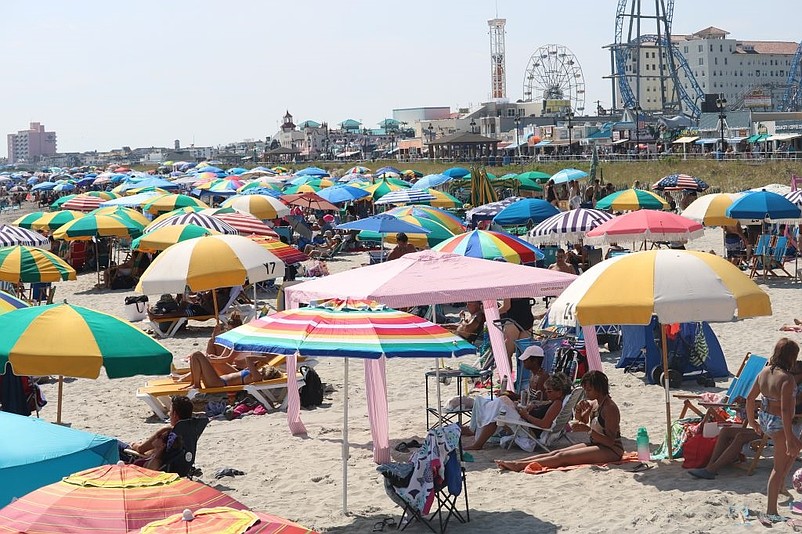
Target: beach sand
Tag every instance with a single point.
(300, 478)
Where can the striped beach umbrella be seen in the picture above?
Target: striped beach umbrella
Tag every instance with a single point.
(82, 203)
(170, 202)
(381, 188)
(96, 225)
(122, 212)
(286, 253)
(645, 225)
(794, 196)
(15, 235)
(632, 199)
(208, 263)
(110, 498)
(179, 211)
(56, 205)
(263, 183)
(51, 220)
(32, 265)
(358, 170)
(223, 186)
(442, 200)
(206, 221)
(568, 226)
(224, 520)
(711, 209)
(680, 182)
(491, 246)
(245, 223)
(437, 232)
(260, 206)
(105, 195)
(443, 217)
(9, 303)
(169, 235)
(405, 196)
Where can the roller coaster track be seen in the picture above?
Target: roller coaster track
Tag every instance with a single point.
(792, 99)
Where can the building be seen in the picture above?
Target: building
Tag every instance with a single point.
(26, 146)
(748, 74)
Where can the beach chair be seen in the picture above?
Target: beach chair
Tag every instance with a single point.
(548, 436)
(182, 460)
(739, 388)
(447, 489)
(777, 259)
(174, 323)
(269, 393)
(761, 256)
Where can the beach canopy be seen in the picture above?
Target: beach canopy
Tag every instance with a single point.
(34, 453)
(110, 498)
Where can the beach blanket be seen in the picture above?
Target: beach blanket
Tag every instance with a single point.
(536, 469)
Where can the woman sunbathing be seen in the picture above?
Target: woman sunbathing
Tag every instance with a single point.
(203, 374)
(605, 438)
(540, 414)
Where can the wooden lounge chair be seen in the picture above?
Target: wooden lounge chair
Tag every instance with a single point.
(548, 436)
(156, 393)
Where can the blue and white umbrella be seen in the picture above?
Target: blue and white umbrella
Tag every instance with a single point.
(568, 175)
(405, 196)
(567, 226)
(11, 236)
(431, 180)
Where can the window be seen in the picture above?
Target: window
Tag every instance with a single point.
(715, 61)
(711, 47)
(685, 49)
(725, 61)
(701, 48)
(721, 48)
(701, 61)
(757, 73)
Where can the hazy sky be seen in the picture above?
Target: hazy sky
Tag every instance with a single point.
(106, 74)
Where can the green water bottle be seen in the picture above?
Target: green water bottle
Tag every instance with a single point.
(644, 455)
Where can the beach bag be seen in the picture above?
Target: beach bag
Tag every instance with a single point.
(697, 451)
(312, 392)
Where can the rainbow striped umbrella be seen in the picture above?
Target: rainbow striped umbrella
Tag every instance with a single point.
(427, 212)
(222, 186)
(302, 188)
(110, 498)
(170, 202)
(262, 183)
(9, 303)
(224, 520)
(31, 265)
(442, 200)
(286, 253)
(381, 188)
(491, 246)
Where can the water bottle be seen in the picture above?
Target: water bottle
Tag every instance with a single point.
(644, 455)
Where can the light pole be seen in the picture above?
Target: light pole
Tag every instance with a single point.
(721, 104)
(365, 144)
(569, 116)
(637, 109)
(431, 138)
(517, 122)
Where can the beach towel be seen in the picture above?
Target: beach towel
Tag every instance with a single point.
(536, 469)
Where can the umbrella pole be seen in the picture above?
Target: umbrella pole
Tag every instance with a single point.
(666, 387)
(60, 391)
(439, 402)
(214, 300)
(97, 262)
(345, 438)
(381, 249)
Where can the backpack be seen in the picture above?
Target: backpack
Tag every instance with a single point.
(312, 392)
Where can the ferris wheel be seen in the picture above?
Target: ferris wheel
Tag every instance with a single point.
(553, 73)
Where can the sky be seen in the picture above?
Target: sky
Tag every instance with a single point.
(104, 75)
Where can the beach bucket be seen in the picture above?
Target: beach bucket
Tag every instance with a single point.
(136, 308)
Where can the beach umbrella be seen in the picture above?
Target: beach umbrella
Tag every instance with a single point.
(122, 212)
(56, 205)
(15, 235)
(9, 302)
(443, 217)
(526, 184)
(645, 225)
(260, 206)
(82, 203)
(568, 175)
(381, 225)
(309, 201)
(381, 188)
(490, 176)
(436, 232)
(169, 235)
(257, 173)
(99, 225)
(442, 200)
(237, 170)
(148, 189)
(405, 196)
(32, 265)
(50, 220)
(491, 246)
(488, 211)
(680, 182)
(281, 170)
(309, 171)
(568, 226)
(179, 211)
(275, 193)
(358, 170)
(34, 453)
(151, 181)
(68, 340)
(537, 176)
(794, 196)
(456, 172)
(60, 188)
(387, 169)
(105, 195)
(245, 223)
(431, 180)
(286, 253)
(199, 219)
(313, 181)
(763, 205)
(632, 199)
(264, 183)
(346, 329)
(209, 262)
(44, 186)
(525, 210)
(711, 209)
(222, 519)
(222, 186)
(411, 174)
(342, 193)
(676, 286)
(132, 200)
(170, 202)
(110, 498)
(482, 191)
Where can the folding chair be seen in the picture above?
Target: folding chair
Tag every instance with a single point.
(548, 436)
(740, 387)
(439, 460)
(777, 259)
(761, 256)
(182, 460)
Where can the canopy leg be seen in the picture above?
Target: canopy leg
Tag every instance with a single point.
(666, 387)
(345, 451)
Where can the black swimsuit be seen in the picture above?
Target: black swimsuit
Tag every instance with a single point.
(618, 446)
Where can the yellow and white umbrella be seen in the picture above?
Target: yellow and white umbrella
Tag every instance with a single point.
(260, 206)
(673, 285)
(209, 262)
(711, 210)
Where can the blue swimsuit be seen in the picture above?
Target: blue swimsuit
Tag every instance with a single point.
(769, 423)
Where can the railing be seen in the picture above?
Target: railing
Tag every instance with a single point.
(587, 158)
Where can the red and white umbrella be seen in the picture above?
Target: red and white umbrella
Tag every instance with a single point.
(645, 225)
(83, 203)
(245, 223)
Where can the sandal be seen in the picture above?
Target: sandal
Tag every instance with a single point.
(379, 526)
(643, 466)
(402, 447)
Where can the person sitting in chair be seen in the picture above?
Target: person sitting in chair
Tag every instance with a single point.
(471, 322)
(317, 250)
(561, 263)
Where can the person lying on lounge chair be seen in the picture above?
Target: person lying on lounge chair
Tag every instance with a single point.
(203, 374)
(604, 420)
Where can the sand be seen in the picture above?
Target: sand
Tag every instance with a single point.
(300, 478)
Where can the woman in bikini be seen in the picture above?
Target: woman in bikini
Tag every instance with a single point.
(777, 386)
(201, 371)
(605, 438)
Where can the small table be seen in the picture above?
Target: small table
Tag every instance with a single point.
(447, 376)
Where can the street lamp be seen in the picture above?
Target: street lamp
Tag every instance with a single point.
(721, 104)
(637, 109)
(517, 122)
(569, 116)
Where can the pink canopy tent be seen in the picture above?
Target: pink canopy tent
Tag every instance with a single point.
(423, 278)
